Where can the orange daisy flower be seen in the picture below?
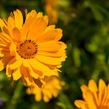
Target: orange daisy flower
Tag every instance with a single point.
(51, 88)
(30, 50)
(94, 98)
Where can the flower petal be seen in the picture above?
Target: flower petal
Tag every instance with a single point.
(37, 27)
(11, 23)
(102, 90)
(50, 46)
(93, 87)
(41, 67)
(26, 77)
(80, 104)
(31, 71)
(18, 18)
(2, 65)
(16, 34)
(25, 28)
(16, 74)
(38, 95)
(50, 33)
(4, 61)
(46, 98)
(50, 60)
(14, 63)
(31, 14)
(2, 24)
(89, 98)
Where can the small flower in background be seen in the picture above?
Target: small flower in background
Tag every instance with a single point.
(50, 88)
(1, 102)
(51, 11)
(30, 50)
(94, 98)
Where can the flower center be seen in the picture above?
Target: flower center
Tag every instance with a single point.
(27, 49)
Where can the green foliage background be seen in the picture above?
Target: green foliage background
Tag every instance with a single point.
(85, 25)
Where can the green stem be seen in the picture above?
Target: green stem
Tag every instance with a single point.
(17, 95)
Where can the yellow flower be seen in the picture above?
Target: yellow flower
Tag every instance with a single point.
(50, 8)
(94, 98)
(51, 88)
(30, 50)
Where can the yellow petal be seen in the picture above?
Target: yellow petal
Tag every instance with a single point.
(89, 98)
(46, 98)
(16, 74)
(49, 60)
(26, 77)
(102, 88)
(38, 96)
(84, 88)
(18, 18)
(31, 14)
(12, 49)
(39, 15)
(8, 71)
(55, 92)
(46, 19)
(54, 55)
(13, 64)
(4, 61)
(25, 71)
(50, 33)
(32, 72)
(26, 81)
(107, 97)
(5, 37)
(25, 28)
(29, 91)
(41, 67)
(80, 104)
(50, 46)
(37, 27)
(11, 23)
(16, 34)
(93, 87)
(2, 65)
(2, 24)
(47, 91)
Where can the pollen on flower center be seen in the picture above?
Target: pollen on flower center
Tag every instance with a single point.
(27, 49)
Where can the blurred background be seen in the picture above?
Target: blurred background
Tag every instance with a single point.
(85, 25)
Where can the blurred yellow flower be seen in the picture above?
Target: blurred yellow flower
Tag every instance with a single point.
(53, 3)
(94, 98)
(50, 8)
(30, 50)
(50, 88)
